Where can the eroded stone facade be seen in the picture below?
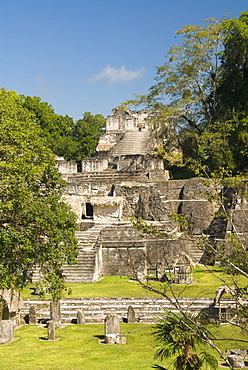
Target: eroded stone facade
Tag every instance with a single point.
(116, 185)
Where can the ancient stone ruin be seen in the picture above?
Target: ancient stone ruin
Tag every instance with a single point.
(80, 317)
(51, 330)
(236, 358)
(122, 180)
(112, 329)
(10, 305)
(55, 312)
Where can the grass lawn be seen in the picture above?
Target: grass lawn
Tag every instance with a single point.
(79, 348)
(205, 283)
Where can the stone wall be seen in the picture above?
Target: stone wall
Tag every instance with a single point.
(107, 208)
(118, 184)
(107, 141)
(94, 164)
(126, 250)
(130, 163)
(126, 119)
(124, 260)
(66, 167)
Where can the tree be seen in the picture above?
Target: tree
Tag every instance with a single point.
(55, 129)
(36, 227)
(189, 75)
(176, 330)
(178, 334)
(86, 134)
(66, 138)
(233, 87)
(205, 79)
(189, 79)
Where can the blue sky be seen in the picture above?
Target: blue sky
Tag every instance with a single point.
(92, 55)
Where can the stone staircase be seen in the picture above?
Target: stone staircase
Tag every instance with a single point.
(196, 253)
(96, 309)
(109, 176)
(132, 143)
(85, 271)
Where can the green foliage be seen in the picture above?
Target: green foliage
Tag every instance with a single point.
(184, 223)
(36, 227)
(233, 255)
(233, 86)
(180, 335)
(205, 77)
(86, 134)
(189, 75)
(143, 226)
(66, 138)
(55, 128)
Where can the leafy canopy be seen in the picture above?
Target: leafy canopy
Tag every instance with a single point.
(36, 227)
(66, 138)
(205, 79)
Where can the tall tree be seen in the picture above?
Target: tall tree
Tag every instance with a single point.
(205, 78)
(66, 138)
(189, 75)
(233, 85)
(188, 78)
(86, 134)
(55, 128)
(36, 227)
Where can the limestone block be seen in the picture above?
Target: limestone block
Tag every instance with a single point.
(55, 313)
(199, 212)
(12, 299)
(112, 339)
(237, 361)
(112, 324)
(130, 315)
(65, 167)
(94, 164)
(80, 317)
(6, 331)
(107, 208)
(51, 330)
(32, 316)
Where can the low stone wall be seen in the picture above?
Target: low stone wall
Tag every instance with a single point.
(65, 167)
(146, 309)
(94, 164)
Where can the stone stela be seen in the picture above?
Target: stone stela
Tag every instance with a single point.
(80, 317)
(51, 330)
(55, 313)
(112, 329)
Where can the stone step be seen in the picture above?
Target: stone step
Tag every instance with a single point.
(80, 178)
(132, 143)
(84, 271)
(96, 309)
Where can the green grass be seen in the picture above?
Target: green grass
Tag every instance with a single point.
(79, 348)
(205, 283)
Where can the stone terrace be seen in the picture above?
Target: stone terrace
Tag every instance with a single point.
(96, 309)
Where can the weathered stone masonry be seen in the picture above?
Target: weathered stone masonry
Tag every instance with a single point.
(124, 180)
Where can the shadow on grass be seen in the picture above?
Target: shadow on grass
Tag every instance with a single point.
(101, 337)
